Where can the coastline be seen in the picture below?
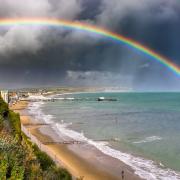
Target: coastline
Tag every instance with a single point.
(76, 158)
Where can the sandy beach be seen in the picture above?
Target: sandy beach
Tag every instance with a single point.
(82, 160)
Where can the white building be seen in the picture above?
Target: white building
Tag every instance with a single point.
(5, 96)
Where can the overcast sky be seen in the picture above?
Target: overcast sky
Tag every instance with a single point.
(46, 56)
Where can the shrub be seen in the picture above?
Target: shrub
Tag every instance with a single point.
(34, 171)
(17, 172)
(55, 173)
(3, 168)
(1, 122)
(14, 119)
(3, 108)
(44, 160)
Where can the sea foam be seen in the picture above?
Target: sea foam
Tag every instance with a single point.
(36, 111)
(148, 139)
(144, 168)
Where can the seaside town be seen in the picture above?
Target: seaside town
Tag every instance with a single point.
(11, 97)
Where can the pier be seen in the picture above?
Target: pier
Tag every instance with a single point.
(63, 142)
(37, 124)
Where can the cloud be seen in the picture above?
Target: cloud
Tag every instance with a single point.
(18, 39)
(21, 8)
(66, 9)
(146, 65)
(98, 78)
(113, 12)
(41, 8)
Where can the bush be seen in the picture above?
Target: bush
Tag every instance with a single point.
(33, 171)
(3, 168)
(44, 160)
(55, 173)
(17, 172)
(3, 108)
(1, 122)
(14, 120)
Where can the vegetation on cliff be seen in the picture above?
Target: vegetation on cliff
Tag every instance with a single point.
(19, 157)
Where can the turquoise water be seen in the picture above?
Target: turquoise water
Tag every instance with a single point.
(143, 124)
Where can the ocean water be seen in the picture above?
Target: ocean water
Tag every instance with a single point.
(140, 129)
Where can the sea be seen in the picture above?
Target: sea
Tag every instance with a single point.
(140, 129)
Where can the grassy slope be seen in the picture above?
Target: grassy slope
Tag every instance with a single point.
(19, 157)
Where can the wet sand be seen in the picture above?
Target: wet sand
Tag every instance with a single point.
(81, 160)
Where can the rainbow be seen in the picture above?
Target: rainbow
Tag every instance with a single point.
(97, 30)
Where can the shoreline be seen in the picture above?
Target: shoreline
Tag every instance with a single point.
(76, 158)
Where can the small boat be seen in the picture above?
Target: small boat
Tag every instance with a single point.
(106, 99)
(101, 98)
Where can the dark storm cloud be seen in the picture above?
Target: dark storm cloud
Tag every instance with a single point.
(49, 56)
(20, 40)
